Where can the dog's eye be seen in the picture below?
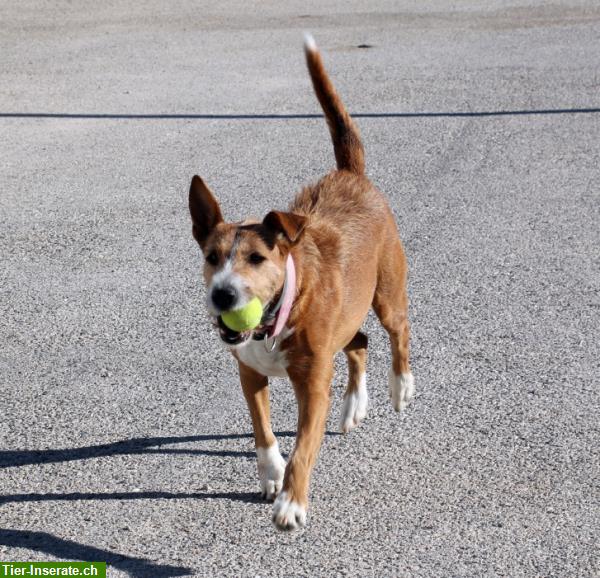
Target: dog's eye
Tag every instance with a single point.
(256, 258)
(212, 258)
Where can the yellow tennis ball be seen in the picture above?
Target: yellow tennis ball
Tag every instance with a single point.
(246, 318)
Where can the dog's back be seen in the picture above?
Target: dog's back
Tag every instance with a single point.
(349, 221)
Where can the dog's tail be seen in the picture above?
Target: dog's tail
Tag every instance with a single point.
(349, 152)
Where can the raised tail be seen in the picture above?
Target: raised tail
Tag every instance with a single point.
(349, 152)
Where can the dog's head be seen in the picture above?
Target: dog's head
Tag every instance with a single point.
(241, 260)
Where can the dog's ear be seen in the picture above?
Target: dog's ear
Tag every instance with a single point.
(290, 225)
(205, 211)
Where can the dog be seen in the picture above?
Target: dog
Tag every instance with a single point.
(317, 269)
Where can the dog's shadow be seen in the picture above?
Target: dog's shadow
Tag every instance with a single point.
(149, 445)
(139, 446)
(68, 549)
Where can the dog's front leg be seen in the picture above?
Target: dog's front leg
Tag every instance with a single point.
(271, 465)
(312, 392)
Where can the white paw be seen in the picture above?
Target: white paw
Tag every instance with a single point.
(287, 514)
(271, 467)
(402, 388)
(354, 409)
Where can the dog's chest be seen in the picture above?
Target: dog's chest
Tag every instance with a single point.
(269, 363)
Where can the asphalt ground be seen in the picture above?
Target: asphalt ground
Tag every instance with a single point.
(124, 436)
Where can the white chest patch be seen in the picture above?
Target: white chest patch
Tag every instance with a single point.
(270, 363)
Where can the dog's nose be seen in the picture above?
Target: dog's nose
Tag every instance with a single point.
(224, 297)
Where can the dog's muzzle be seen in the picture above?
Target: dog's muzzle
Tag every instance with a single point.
(231, 337)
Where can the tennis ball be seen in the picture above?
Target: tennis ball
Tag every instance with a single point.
(246, 318)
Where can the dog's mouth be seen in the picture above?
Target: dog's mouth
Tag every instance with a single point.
(231, 337)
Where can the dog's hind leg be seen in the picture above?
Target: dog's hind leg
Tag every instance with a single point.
(271, 466)
(391, 306)
(356, 399)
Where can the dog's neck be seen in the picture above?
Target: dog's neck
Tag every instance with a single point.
(278, 315)
(284, 305)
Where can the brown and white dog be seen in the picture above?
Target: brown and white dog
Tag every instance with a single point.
(317, 269)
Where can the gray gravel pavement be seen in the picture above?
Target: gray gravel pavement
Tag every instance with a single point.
(124, 436)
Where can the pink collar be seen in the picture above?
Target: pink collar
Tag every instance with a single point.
(287, 298)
